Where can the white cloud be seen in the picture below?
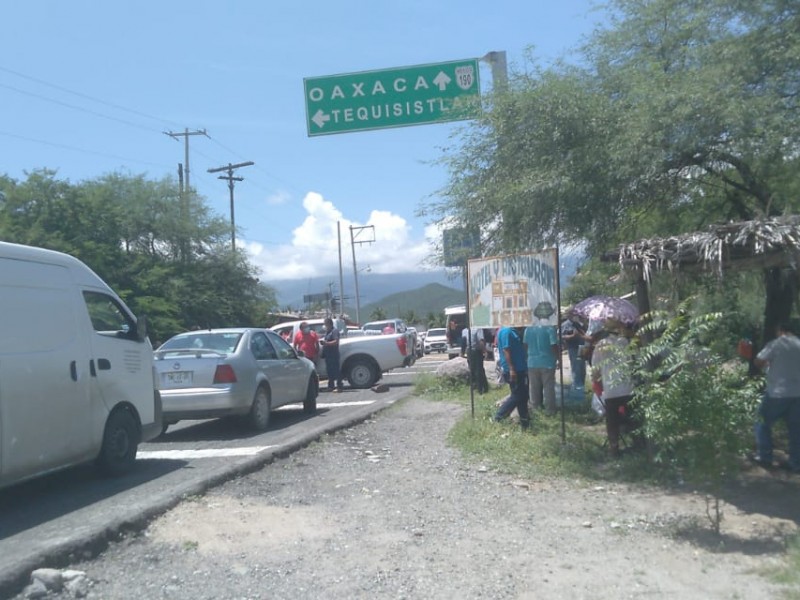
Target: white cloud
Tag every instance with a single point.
(385, 244)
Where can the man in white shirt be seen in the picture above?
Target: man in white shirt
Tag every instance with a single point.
(609, 366)
(781, 358)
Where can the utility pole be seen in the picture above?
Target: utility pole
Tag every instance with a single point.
(497, 61)
(186, 133)
(230, 178)
(353, 242)
(341, 276)
(183, 186)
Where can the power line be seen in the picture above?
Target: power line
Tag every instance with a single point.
(266, 187)
(84, 150)
(129, 123)
(78, 108)
(258, 168)
(86, 96)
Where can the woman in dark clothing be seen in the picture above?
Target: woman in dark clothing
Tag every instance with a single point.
(330, 352)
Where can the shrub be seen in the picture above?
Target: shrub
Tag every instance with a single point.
(698, 410)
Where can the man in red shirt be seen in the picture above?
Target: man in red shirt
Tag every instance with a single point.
(307, 340)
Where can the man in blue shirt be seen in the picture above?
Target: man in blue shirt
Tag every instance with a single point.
(543, 355)
(514, 364)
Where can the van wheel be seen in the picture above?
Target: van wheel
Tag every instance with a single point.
(259, 416)
(120, 442)
(310, 401)
(362, 374)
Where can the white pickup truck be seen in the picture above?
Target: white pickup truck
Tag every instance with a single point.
(364, 359)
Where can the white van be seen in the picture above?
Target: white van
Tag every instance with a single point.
(76, 369)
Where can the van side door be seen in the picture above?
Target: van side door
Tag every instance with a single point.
(120, 365)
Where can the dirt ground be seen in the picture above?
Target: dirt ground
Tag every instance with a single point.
(387, 509)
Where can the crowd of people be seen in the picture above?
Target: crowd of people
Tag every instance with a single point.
(528, 358)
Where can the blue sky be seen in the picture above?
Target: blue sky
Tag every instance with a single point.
(89, 87)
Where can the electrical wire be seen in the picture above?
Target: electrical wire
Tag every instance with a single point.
(77, 149)
(86, 96)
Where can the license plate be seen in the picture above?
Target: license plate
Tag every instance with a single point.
(178, 377)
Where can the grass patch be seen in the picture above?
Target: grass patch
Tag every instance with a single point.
(441, 389)
(788, 574)
(539, 451)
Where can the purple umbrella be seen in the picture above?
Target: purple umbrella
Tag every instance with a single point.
(603, 308)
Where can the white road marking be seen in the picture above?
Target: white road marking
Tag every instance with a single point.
(205, 453)
(330, 404)
(231, 452)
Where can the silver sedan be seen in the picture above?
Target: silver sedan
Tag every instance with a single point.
(243, 372)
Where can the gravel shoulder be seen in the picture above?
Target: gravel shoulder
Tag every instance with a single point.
(386, 509)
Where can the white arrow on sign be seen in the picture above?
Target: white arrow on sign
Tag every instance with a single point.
(442, 80)
(320, 118)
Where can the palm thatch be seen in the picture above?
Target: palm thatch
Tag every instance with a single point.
(762, 244)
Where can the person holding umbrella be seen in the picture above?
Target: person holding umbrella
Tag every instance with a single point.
(609, 368)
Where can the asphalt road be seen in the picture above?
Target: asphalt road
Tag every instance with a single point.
(44, 521)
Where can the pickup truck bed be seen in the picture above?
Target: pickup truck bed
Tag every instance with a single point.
(364, 359)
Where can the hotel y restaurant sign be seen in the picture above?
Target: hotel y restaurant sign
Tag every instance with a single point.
(515, 290)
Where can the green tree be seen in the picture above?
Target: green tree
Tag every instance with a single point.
(410, 317)
(682, 113)
(433, 320)
(133, 233)
(377, 314)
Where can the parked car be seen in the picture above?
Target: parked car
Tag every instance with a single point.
(365, 358)
(436, 340)
(418, 348)
(457, 313)
(244, 372)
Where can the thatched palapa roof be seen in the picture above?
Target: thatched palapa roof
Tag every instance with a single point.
(761, 244)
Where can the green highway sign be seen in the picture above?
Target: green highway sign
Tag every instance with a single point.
(399, 97)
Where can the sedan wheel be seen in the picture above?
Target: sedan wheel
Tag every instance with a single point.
(259, 416)
(310, 401)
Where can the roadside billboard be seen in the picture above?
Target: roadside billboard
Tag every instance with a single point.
(515, 290)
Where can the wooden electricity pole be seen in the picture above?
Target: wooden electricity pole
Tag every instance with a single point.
(230, 179)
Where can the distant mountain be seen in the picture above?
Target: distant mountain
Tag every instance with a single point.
(372, 287)
(422, 291)
(431, 298)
